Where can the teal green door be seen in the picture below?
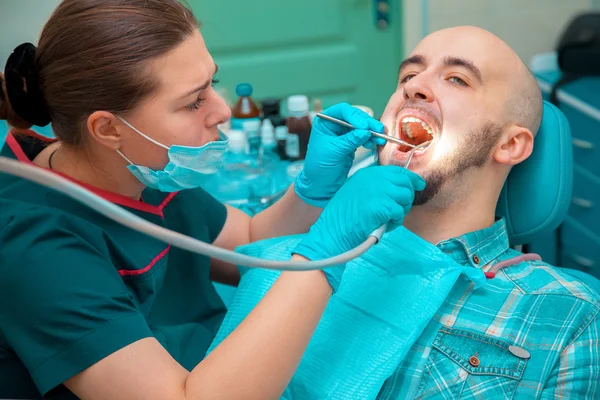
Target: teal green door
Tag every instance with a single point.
(327, 49)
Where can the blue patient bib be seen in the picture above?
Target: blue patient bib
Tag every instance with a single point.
(386, 299)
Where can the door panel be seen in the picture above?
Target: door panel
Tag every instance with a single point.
(269, 23)
(331, 49)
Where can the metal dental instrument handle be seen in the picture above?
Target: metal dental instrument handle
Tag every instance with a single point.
(378, 233)
(410, 155)
(379, 135)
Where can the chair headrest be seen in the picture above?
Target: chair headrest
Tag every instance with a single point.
(536, 196)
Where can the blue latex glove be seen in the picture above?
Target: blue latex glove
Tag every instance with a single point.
(331, 150)
(371, 197)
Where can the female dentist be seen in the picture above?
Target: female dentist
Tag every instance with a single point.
(90, 309)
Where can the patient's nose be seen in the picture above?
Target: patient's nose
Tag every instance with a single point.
(417, 89)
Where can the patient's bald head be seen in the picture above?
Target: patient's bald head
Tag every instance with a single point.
(482, 102)
(521, 94)
(525, 105)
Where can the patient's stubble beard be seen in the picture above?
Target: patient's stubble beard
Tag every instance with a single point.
(472, 152)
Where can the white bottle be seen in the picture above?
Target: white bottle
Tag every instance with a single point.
(292, 147)
(281, 133)
(236, 157)
(268, 144)
(252, 129)
(231, 182)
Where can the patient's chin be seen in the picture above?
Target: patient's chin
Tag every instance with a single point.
(435, 181)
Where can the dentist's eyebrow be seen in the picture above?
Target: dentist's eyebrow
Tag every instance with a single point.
(461, 62)
(417, 59)
(202, 87)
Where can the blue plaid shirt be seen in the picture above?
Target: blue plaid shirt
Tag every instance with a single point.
(532, 333)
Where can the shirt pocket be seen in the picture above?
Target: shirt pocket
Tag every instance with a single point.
(468, 365)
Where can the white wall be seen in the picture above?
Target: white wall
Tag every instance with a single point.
(528, 26)
(22, 21)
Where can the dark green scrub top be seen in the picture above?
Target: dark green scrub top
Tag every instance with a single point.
(76, 286)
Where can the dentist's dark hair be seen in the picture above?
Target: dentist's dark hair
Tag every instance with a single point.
(92, 55)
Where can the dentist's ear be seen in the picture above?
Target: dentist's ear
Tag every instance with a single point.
(515, 146)
(104, 128)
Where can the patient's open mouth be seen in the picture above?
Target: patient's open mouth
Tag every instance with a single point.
(415, 131)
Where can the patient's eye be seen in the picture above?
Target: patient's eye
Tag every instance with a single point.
(457, 81)
(407, 77)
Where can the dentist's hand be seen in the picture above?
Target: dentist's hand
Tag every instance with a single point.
(370, 198)
(331, 151)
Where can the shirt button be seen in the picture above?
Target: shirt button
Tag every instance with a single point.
(474, 361)
(519, 352)
(476, 259)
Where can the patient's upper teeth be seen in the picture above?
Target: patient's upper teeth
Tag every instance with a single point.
(406, 129)
(411, 119)
(426, 127)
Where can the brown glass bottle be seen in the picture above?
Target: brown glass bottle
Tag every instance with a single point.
(245, 108)
(298, 123)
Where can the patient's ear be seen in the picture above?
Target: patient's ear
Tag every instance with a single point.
(515, 145)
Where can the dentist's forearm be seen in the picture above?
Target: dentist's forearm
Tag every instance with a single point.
(290, 215)
(261, 355)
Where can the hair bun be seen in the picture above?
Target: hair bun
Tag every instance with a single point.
(4, 104)
(23, 86)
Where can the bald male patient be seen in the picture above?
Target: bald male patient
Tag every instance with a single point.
(468, 91)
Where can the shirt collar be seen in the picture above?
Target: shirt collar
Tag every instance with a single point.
(478, 248)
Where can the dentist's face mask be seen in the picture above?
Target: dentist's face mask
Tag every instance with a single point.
(188, 167)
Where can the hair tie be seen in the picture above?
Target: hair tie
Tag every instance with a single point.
(23, 86)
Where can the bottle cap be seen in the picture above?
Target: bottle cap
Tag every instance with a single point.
(236, 141)
(244, 90)
(270, 106)
(298, 106)
(267, 133)
(281, 132)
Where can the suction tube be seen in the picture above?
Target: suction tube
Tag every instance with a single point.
(130, 220)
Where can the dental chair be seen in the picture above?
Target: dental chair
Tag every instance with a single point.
(537, 193)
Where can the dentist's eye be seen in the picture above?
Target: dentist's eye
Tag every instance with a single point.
(195, 105)
(215, 81)
(458, 81)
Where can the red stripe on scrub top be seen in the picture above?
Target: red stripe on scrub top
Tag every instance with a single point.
(110, 196)
(136, 272)
(167, 200)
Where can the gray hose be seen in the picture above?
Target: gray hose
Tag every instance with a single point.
(126, 218)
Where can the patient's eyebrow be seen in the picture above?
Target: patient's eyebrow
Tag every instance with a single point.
(461, 62)
(414, 59)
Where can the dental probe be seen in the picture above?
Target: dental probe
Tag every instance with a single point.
(379, 135)
(410, 154)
